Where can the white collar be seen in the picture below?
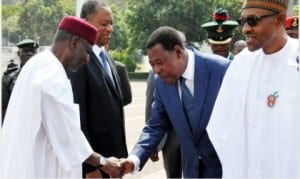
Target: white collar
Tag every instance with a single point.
(190, 68)
(97, 50)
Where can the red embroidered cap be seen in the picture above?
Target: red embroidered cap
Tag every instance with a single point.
(79, 27)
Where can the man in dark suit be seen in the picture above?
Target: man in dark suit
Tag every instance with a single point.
(169, 144)
(185, 91)
(97, 89)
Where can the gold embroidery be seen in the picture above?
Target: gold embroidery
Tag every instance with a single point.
(220, 30)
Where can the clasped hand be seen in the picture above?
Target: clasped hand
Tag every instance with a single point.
(116, 168)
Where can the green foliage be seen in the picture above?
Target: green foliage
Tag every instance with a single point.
(35, 19)
(122, 56)
(10, 10)
(146, 15)
(296, 10)
(119, 40)
(41, 17)
(10, 18)
(138, 75)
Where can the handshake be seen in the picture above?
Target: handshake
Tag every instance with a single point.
(116, 168)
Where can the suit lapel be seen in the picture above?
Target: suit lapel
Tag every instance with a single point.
(200, 89)
(96, 61)
(174, 108)
(114, 73)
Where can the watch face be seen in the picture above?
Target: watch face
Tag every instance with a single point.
(102, 161)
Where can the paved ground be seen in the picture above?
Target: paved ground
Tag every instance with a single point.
(135, 120)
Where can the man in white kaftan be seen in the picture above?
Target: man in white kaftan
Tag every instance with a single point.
(41, 134)
(42, 144)
(251, 138)
(255, 124)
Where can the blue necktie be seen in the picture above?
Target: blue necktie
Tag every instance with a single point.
(106, 67)
(187, 102)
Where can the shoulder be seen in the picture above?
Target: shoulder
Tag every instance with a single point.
(211, 61)
(119, 64)
(10, 76)
(211, 58)
(43, 68)
(293, 44)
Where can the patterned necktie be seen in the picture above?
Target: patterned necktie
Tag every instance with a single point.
(106, 67)
(187, 101)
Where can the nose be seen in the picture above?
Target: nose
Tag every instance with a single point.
(156, 69)
(246, 28)
(110, 28)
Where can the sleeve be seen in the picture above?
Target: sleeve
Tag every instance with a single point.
(62, 124)
(149, 95)
(149, 101)
(124, 81)
(153, 132)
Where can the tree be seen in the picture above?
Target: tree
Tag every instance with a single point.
(10, 18)
(119, 40)
(35, 19)
(40, 18)
(187, 16)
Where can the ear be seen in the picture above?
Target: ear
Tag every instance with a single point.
(74, 42)
(280, 19)
(18, 52)
(178, 50)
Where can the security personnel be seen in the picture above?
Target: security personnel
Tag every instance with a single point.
(220, 33)
(11, 67)
(291, 26)
(27, 48)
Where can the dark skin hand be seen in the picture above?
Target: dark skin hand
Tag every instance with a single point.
(112, 166)
(154, 156)
(127, 166)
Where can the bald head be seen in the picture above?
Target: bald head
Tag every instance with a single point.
(239, 46)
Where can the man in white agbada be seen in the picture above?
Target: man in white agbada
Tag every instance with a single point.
(255, 124)
(41, 134)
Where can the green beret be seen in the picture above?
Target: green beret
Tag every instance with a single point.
(27, 43)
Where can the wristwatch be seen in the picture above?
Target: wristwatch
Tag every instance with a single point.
(102, 161)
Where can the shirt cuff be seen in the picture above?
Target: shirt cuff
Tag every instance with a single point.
(136, 162)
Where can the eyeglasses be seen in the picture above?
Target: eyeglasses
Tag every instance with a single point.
(253, 20)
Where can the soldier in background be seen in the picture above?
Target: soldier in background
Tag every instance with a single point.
(27, 48)
(11, 67)
(220, 33)
(291, 26)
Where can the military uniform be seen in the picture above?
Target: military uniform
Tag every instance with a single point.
(11, 74)
(220, 32)
(291, 26)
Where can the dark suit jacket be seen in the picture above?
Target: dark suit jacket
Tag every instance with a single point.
(209, 72)
(124, 82)
(101, 109)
